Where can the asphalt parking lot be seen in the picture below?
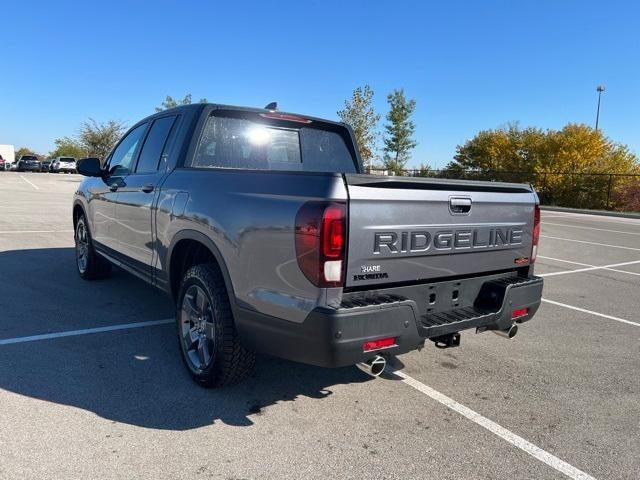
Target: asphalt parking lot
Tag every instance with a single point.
(561, 400)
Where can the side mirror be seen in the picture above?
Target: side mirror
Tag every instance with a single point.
(89, 167)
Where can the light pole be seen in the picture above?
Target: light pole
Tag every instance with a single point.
(600, 89)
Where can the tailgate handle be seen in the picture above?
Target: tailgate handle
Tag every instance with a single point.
(459, 205)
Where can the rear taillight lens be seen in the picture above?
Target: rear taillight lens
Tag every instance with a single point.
(378, 344)
(521, 312)
(536, 233)
(320, 235)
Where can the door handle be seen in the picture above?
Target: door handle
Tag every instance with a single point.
(113, 187)
(148, 188)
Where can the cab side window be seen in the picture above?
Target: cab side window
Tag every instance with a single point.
(154, 145)
(123, 155)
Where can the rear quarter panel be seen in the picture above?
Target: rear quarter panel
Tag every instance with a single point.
(249, 216)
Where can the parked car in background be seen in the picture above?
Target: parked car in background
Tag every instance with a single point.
(28, 163)
(3, 164)
(45, 165)
(63, 164)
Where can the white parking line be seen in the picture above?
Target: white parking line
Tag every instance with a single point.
(36, 231)
(591, 228)
(590, 312)
(605, 267)
(594, 218)
(591, 243)
(515, 440)
(493, 427)
(593, 267)
(565, 261)
(84, 331)
(34, 186)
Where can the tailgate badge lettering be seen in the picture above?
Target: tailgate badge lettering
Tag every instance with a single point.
(449, 240)
(370, 272)
(370, 268)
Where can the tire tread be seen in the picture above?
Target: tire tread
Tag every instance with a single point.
(234, 361)
(97, 266)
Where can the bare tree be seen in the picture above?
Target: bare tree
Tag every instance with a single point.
(360, 115)
(171, 102)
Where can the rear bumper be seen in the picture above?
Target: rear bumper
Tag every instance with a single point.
(492, 309)
(335, 337)
(331, 338)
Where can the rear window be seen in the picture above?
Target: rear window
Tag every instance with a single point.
(232, 142)
(67, 159)
(29, 157)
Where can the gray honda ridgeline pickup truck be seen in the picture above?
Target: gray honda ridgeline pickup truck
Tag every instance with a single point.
(269, 238)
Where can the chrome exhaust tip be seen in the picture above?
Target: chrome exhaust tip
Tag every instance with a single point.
(509, 333)
(374, 366)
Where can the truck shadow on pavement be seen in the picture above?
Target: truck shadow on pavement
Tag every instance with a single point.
(130, 376)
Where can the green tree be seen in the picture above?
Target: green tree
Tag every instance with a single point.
(360, 115)
(399, 130)
(97, 139)
(568, 166)
(453, 170)
(500, 152)
(68, 147)
(574, 149)
(24, 151)
(170, 102)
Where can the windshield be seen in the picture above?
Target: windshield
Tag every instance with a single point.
(230, 142)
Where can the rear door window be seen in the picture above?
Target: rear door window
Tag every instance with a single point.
(231, 142)
(154, 145)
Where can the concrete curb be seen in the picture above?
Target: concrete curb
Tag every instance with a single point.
(604, 213)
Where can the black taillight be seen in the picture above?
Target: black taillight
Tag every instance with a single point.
(320, 236)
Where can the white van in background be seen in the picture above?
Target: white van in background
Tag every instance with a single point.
(8, 154)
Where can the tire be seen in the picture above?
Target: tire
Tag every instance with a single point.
(207, 336)
(89, 264)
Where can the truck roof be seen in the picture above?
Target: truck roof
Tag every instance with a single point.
(220, 106)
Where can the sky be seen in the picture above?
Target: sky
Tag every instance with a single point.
(469, 65)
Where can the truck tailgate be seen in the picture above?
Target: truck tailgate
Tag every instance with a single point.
(414, 229)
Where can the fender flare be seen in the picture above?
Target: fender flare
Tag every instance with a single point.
(78, 203)
(215, 251)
